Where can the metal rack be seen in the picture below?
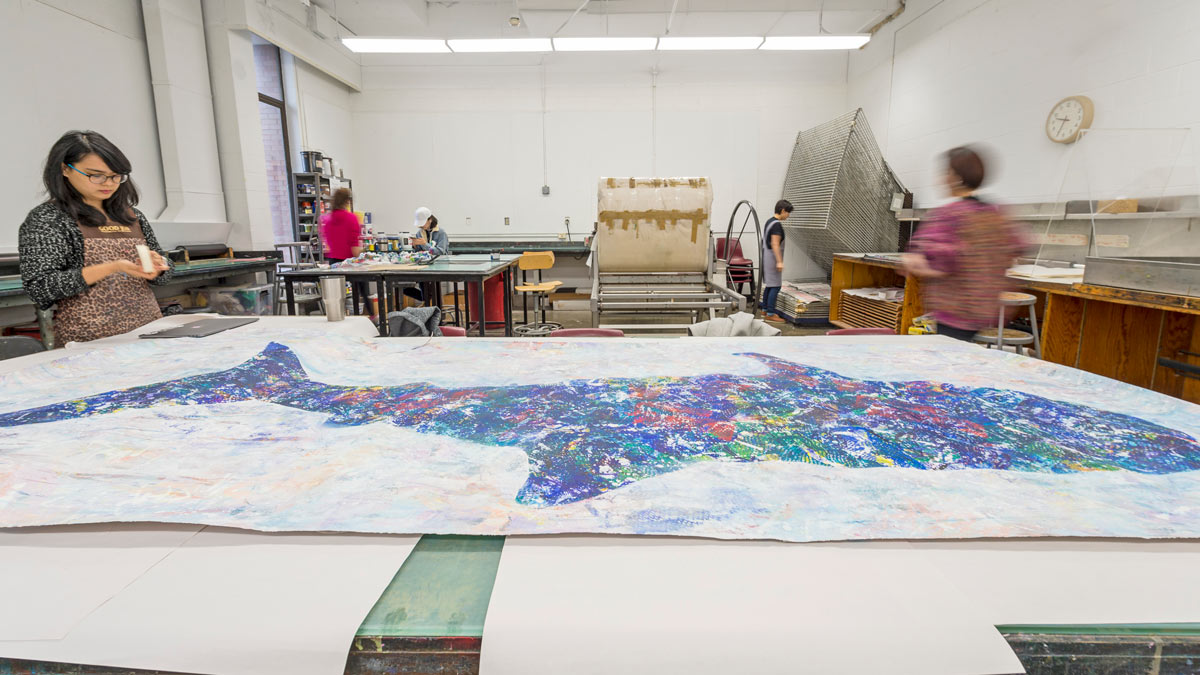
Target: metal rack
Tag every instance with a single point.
(841, 189)
(319, 200)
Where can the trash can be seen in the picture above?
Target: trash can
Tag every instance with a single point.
(494, 290)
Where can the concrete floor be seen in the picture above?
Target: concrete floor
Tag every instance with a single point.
(583, 319)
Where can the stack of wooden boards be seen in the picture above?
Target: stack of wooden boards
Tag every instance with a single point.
(872, 307)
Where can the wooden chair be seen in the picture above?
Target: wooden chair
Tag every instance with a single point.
(540, 290)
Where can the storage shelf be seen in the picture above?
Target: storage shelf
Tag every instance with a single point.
(1140, 215)
(305, 224)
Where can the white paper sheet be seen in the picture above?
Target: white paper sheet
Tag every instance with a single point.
(593, 604)
(238, 603)
(1072, 581)
(52, 577)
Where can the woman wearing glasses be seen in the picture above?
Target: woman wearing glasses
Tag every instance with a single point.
(78, 248)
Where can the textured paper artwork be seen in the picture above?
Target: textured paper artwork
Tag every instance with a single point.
(796, 440)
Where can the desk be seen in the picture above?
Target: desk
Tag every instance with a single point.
(459, 268)
(12, 294)
(559, 247)
(1114, 332)
(430, 618)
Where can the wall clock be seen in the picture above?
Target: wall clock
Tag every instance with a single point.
(1068, 118)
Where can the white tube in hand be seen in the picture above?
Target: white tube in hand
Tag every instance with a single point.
(144, 254)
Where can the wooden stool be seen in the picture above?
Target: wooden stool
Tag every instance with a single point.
(1002, 337)
(536, 260)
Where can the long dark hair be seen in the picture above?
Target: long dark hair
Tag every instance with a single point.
(71, 148)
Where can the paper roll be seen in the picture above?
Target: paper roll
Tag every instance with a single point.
(144, 254)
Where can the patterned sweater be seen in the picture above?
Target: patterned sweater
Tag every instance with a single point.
(974, 244)
(51, 250)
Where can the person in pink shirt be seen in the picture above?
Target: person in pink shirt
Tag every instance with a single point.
(962, 252)
(340, 230)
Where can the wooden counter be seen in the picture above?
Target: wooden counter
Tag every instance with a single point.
(1113, 332)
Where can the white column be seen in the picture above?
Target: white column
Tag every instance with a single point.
(239, 131)
(184, 109)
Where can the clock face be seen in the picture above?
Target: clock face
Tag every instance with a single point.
(1068, 118)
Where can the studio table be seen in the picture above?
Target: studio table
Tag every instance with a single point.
(455, 269)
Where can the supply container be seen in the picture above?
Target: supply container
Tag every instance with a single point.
(333, 296)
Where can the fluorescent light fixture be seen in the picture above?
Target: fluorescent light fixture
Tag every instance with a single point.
(501, 45)
(605, 44)
(707, 43)
(395, 46)
(806, 42)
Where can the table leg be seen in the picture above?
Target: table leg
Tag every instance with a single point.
(457, 309)
(291, 298)
(524, 300)
(381, 296)
(482, 307)
(509, 283)
(467, 305)
(354, 297)
(45, 319)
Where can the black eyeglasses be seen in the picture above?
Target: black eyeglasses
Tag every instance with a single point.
(101, 179)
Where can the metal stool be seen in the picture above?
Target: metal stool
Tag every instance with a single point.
(306, 292)
(1002, 337)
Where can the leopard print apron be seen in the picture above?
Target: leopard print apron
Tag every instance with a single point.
(117, 303)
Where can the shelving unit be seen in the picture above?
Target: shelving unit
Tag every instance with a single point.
(314, 198)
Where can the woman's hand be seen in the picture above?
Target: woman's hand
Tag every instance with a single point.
(779, 267)
(917, 265)
(418, 241)
(160, 263)
(132, 269)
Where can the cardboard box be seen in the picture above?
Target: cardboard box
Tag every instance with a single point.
(1117, 206)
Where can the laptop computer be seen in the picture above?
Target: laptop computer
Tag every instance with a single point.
(200, 328)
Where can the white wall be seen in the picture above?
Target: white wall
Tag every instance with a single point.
(325, 119)
(989, 71)
(465, 138)
(73, 65)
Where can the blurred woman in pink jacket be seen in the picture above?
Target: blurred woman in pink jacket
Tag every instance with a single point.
(962, 252)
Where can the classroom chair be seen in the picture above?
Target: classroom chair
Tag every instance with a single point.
(541, 290)
(741, 268)
(861, 331)
(12, 346)
(1003, 337)
(453, 331)
(587, 332)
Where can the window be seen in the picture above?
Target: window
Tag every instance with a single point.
(273, 118)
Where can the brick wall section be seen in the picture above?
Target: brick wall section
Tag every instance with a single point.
(266, 67)
(278, 187)
(270, 82)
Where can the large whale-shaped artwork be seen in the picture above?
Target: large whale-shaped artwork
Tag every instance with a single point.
(588, 437)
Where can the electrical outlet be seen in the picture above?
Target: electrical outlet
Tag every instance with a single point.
(468, 221)
(562, 236)
(545, 189)
(506, 223)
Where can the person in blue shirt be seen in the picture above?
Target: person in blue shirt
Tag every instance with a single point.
(428, 236)
(772, 259)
